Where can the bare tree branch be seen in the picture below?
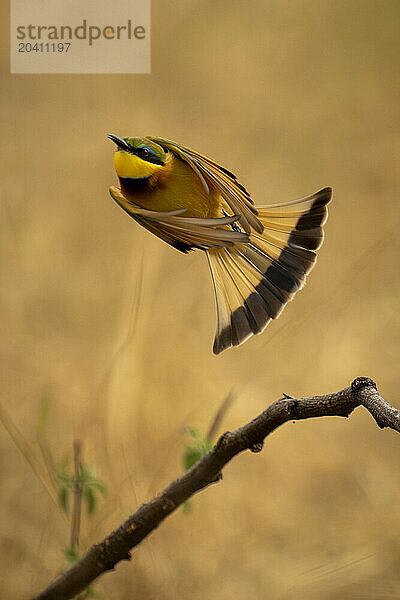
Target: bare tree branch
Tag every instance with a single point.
(115, 547)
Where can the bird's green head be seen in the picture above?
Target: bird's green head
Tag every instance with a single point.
(138, 157)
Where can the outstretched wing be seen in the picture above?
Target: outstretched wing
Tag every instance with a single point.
(212, 174)
(184, 233)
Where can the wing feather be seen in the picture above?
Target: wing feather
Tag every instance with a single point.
(210, 173)
(192, 232)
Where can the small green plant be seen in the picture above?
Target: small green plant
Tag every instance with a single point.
(74, 483)
(78, 483)
(89, 486)
(197, 446)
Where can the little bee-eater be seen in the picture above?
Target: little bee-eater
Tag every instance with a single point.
(258, 256)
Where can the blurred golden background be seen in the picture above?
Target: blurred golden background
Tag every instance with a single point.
(115, 328)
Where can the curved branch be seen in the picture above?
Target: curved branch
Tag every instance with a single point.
(115, 547)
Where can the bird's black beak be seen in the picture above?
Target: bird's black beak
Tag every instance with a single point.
(120, 142)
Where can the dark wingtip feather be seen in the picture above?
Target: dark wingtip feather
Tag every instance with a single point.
(223, 340)
(240, 325)
(257, 312)
(250, 318)
(317, 214)
(322, 198)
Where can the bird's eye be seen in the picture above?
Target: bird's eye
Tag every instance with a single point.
(144, 152)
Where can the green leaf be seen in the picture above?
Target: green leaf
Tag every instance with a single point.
(63, 497)
(191, 457)
(100, 486)
(198, 446)
(65, 478)
(193, 432)
(71, 554)
(90, 499)
(88, 473)
(208, 445)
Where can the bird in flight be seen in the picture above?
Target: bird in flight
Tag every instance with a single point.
(258, 256)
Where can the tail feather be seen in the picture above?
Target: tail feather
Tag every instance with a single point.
(254, 281)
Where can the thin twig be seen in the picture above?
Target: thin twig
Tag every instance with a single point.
(28, 453)
(44, 446)
(77, 505)
(115, 547)
(221, 412)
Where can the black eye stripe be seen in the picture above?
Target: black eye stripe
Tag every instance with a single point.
(144, 152)
(148, 155)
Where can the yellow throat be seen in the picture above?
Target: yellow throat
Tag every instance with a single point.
(130, 165)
